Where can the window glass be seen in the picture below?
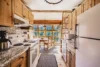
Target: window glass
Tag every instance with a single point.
(41, 33)
(35, 33)
(56, 27)
(48, 33)
(49, 27)
(41, 27)
(55, 33)
(56, 39)
(35, 27)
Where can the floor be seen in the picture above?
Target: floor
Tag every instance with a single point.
(56, 51)
(47, 60)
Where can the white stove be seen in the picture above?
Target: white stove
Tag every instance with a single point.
(34, 51)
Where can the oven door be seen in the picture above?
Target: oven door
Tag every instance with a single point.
(33, 55)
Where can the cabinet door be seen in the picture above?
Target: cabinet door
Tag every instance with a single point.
(5, 13)
(73, 61)
(17, 63)
(92, 3)
(31, 17)
(69, 21)
(97, 1)
(20, 61)
(86, 5)
(25, 12)
(79, 10)
(24, 64)
(74, 20)
(18, 7)
(82, 7)
(68, 59)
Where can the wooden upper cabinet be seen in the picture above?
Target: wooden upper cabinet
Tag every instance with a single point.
(70, 21)
(74, 20)
(97, 1)
(86, 5)
(25, 12)
(5, 13)
(79, 10)
(18, 7)
(31, 17)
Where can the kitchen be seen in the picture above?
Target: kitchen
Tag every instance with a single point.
(49, 33)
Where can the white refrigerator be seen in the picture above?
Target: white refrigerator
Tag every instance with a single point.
(88, 41)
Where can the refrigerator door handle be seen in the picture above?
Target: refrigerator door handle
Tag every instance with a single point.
(89, 38)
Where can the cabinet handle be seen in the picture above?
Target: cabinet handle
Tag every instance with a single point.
(21, 58)
(24, 16)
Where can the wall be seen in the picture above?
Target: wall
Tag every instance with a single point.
(47, 15)
(88, 52)
(16, 35)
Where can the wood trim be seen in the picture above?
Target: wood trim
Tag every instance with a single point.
(47, 21)
(69, 11)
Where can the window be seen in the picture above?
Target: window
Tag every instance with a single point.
(48, 33)
(53, 31)
(41, 33)
(49, 27)
(41, 27)
(36, 33)
(55, 34)
(35, 27)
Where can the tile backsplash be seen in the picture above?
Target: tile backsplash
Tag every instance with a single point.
(16, 35)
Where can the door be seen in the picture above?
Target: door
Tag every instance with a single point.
(6, 13)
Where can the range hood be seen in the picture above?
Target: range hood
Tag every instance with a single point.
(20, 22)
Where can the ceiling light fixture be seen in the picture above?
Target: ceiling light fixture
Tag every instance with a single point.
(53, 1)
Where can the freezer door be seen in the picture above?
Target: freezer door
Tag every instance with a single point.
(89, 23)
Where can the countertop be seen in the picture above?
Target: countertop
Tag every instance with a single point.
(8, 55)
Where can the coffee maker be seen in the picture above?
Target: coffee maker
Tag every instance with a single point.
(4, 42)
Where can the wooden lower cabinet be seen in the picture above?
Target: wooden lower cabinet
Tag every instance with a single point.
(20, 61)
(70, 59)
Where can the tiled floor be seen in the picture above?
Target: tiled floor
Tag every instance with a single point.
(60, 61)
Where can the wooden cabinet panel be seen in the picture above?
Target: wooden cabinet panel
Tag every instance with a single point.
(82, 7)
(79, 10)
(20, 61)
(92, 3)
(71, 59)
(70, 21)
(18, 9)
(74, 20)
(86, 5)
(97, 1)
(5, 13)
(68, 59)
(25, 12)
(31, 18)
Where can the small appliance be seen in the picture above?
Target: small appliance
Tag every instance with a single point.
(4, 42)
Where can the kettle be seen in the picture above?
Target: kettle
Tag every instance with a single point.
(4, 44)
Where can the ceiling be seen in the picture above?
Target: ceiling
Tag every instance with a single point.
(42, 5)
